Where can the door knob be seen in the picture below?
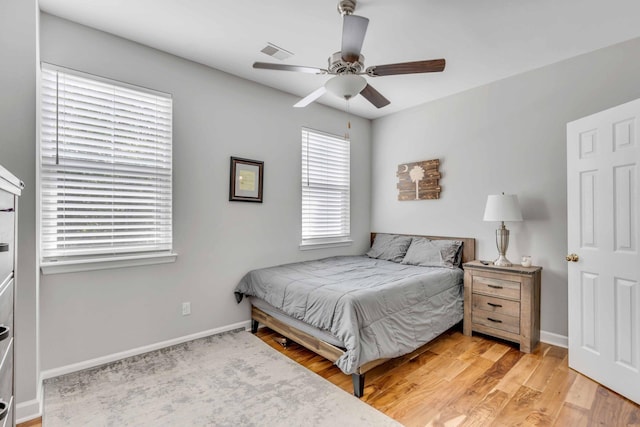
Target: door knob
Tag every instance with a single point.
(572, 258)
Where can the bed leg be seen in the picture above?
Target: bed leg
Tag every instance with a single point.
(358, 384)
(254, 326)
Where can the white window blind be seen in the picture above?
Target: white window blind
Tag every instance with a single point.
(325, 187)
(105, 159)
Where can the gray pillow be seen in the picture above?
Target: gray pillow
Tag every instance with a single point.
(390, 247)
(433, 253)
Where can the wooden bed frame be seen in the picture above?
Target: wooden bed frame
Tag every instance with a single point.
(329, 351)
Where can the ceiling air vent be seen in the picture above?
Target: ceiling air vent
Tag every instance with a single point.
(277, 52)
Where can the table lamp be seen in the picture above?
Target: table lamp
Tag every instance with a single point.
(502, 207)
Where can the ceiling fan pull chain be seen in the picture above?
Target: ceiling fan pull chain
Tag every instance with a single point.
(346, 134)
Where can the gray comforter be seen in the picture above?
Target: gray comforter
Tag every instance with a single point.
(378, 309)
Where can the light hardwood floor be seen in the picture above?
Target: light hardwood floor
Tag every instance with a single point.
(33, 423)
(474, 381)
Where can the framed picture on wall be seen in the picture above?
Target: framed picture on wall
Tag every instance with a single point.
(245, 182)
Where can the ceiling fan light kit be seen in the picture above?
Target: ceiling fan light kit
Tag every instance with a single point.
(347, 65)
(346, 85)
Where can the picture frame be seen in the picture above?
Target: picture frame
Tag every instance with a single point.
(419, 180)
(246, 180)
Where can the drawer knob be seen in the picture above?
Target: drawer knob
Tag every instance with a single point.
(4, 409)
(494, 320)
(4, 332)
(4, 247)
(494, 305)
(495, 286)
(6, 210)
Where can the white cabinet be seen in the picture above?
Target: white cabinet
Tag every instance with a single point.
(10, 189)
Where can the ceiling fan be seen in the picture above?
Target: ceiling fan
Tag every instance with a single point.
(347, 65)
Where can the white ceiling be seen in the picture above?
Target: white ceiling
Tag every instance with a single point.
(482, 40)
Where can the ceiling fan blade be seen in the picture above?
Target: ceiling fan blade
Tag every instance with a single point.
(429, 66)
(374, 97)
(285, 67)
(311, 97)
(354, 29)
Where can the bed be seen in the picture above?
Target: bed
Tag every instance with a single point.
(360, 311)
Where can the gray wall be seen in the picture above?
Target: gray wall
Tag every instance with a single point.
(19, 56)
(506, 136)
(91, 314)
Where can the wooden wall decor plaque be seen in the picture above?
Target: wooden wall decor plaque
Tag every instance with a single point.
(418, 180)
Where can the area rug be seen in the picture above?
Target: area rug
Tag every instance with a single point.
(232, 379)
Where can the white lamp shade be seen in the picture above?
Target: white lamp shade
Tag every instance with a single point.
(502, 207)
(346, 85)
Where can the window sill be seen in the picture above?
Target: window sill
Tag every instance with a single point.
(73, 266)
(323, 245)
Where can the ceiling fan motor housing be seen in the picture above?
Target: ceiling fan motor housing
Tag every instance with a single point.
(339, 66)
(346, 7)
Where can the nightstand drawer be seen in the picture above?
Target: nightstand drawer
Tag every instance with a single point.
(496, 321)
(496, 305)
(496, 287)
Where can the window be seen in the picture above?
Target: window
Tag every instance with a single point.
(325, 188)
(105, 169)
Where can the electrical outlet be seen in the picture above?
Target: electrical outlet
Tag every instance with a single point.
(186, 308)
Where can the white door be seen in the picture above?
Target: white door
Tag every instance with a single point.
(603, 190)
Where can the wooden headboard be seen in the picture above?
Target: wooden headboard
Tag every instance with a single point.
(468, 246)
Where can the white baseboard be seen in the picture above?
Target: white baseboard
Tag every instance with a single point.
(55, 372)
(29, 410)
(554, 339)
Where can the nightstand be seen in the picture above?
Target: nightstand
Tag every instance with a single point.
(503, 302)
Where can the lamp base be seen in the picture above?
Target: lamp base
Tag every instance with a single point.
(502, 243)
(502, 261)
